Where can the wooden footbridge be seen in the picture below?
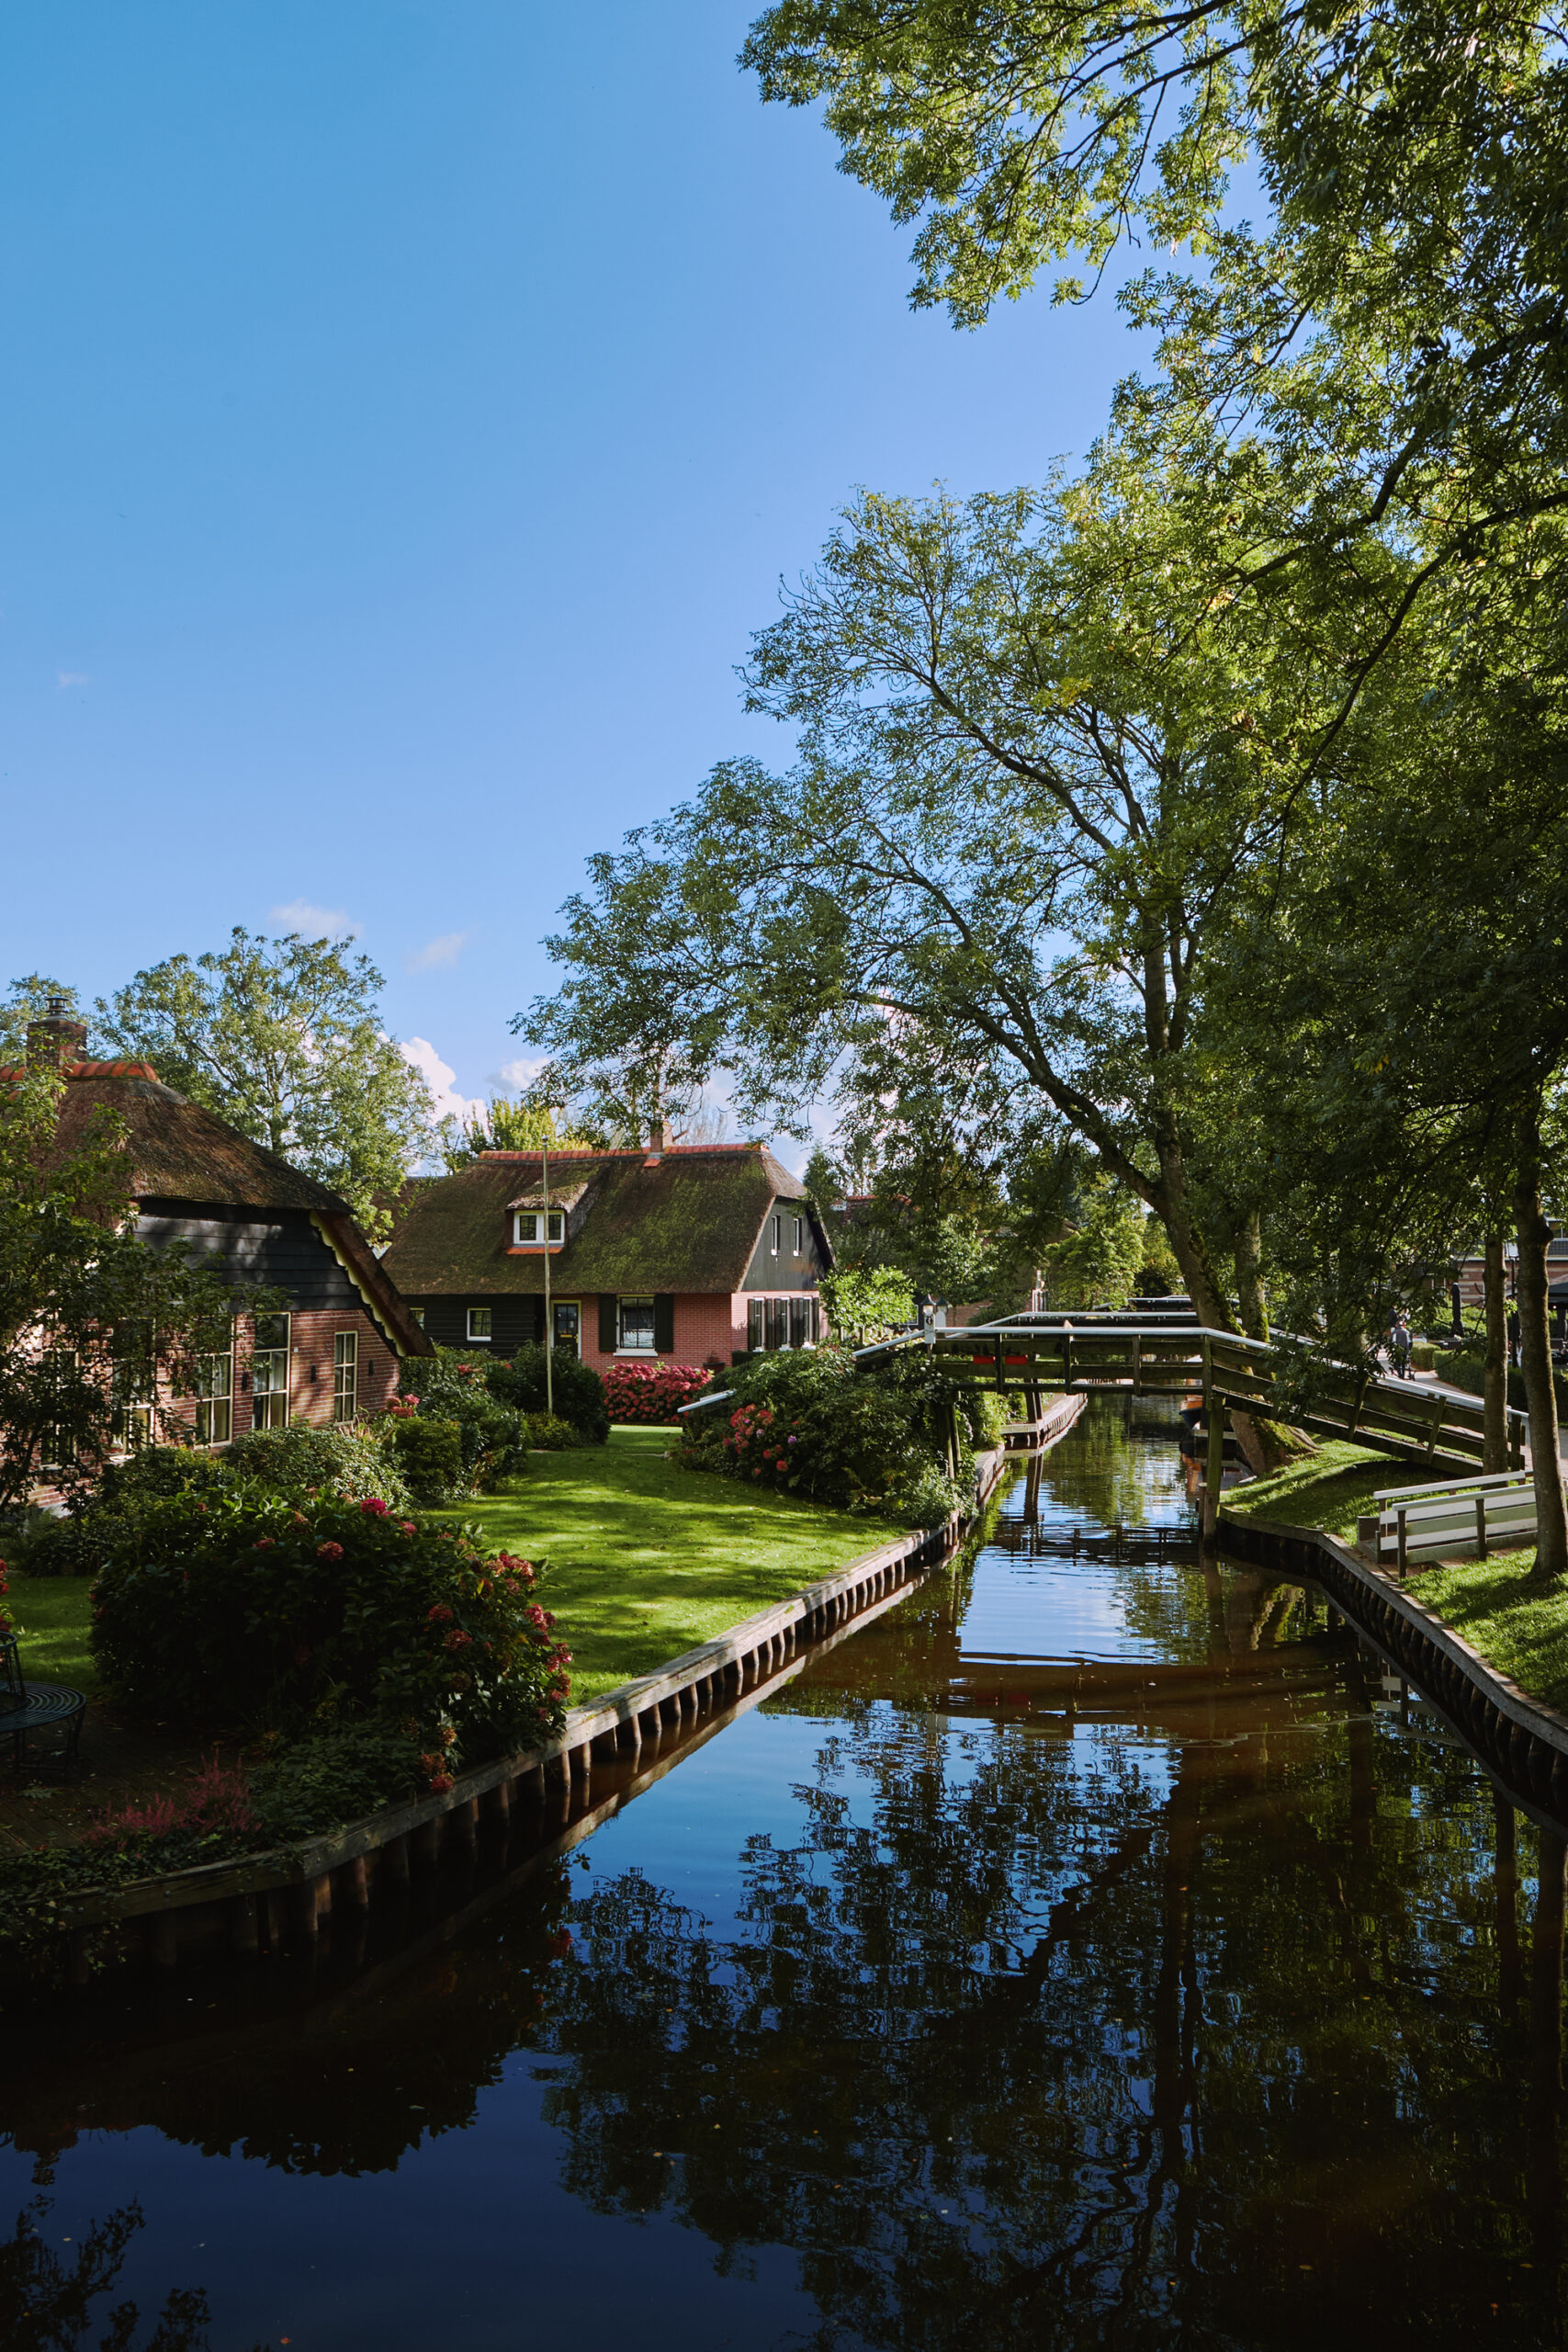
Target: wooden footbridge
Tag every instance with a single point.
(1167, 1353)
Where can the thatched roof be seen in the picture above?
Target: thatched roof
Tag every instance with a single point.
(686, 1219)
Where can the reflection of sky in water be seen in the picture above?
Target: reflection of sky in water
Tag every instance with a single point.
(1050, 1604)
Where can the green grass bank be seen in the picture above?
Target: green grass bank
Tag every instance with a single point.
(646, 1560)
(1523, 1633)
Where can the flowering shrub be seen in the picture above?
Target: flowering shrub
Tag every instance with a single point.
(807, 1421)
(253, 1610)
(652, 1391)
(492, 1434)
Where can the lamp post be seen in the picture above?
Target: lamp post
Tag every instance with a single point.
(549, 1322)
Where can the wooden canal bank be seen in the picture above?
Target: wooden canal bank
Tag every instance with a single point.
(1522, 1742)
(281, 1900)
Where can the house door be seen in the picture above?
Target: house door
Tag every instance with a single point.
(568, 1324)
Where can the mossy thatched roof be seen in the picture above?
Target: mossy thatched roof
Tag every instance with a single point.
(688, 1219)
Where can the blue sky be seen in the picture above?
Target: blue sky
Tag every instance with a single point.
(409, 409)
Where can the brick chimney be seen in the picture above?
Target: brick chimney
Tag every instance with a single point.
(657, 1135)
(57, 1039)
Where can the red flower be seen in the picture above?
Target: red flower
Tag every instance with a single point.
(329, 1550)
(376, 1507)
(407, 1527)
(263, 1543)
(440, 1614)
(439, 1783)
(457, 1640)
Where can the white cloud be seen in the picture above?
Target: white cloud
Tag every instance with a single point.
(316, 923)
(443, 951)
(441, 1078)
(72, 678)
(522, 1073)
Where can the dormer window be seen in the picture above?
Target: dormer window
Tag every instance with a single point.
(528, 1225)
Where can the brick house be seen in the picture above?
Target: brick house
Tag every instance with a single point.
(692, 1252)
(334, 1350)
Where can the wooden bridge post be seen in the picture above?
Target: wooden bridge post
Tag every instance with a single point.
(1213, 1483)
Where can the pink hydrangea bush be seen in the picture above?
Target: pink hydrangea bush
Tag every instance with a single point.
(652, 1391)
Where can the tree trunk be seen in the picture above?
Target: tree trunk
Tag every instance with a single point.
(1250, 1276)
(1535, 1357)
(1265, 1443)
(1494, 1440)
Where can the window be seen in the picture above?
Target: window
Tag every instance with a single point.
(778, 1322)
(269, 1373)
(528, 1225)
(215, 1397)
(799, 1234)
(478, 1323)
(134, 1386)
(58, 1449)
(345, 1375)
(634, 1325)
(777, 1241)
(754, 1325)
(416, 1315)
(802, 1322)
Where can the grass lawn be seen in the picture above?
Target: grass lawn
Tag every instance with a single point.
(1524, 1635)
(646, 1560)
(51, 1616)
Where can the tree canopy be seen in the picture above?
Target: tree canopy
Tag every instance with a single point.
(283, 1039)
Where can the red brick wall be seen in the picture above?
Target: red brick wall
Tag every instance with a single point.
(707, 1323)
(312, 1334)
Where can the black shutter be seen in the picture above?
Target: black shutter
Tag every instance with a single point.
(606, 1323)
(664, 1322)
(539, 1320)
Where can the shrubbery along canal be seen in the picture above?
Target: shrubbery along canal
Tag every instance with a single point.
(1095, 1949)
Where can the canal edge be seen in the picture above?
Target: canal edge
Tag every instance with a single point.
(1521, 1740)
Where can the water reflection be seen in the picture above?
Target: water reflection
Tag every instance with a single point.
(1085, 1953)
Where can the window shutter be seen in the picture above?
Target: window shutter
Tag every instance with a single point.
(606, 1323)
(664, 1322)
(539, 1320)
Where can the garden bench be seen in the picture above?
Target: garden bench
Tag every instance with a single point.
(27, 1707)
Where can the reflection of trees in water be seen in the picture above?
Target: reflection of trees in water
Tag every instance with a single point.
(1097, 1476)
(46, 2298)
(1064, 2058)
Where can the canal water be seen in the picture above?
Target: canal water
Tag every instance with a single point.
(1097, 1949)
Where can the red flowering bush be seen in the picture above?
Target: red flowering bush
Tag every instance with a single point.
(253, 1612)
(652, 1391)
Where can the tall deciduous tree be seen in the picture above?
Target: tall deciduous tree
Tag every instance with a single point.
(283, 1039)
(1023, 806)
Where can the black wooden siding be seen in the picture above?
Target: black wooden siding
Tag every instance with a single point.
(515, 1322)
(786, 1272)
(283, 1250)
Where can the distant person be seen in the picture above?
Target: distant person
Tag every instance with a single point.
(1400, 1344)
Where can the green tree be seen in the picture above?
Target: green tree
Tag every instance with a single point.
(27, 1001)
(508, 1125)
(283, 1039)
(1023, 806)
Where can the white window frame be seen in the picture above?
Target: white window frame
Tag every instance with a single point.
(215, 1397)
(54, 1455)
(799, 1236)
(776, 1243)
(345, 1359)
(277, 1360)
(624, 1347)
(479, 1339)
(531, 1239)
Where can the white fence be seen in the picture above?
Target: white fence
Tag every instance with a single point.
(1469, 1515)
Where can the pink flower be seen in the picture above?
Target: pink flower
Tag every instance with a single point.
(329, 1550)
(439, 1783)
(407, 1527)
(263, 1543)
(374, 1506)
(457, 1640)
(440, 1614)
